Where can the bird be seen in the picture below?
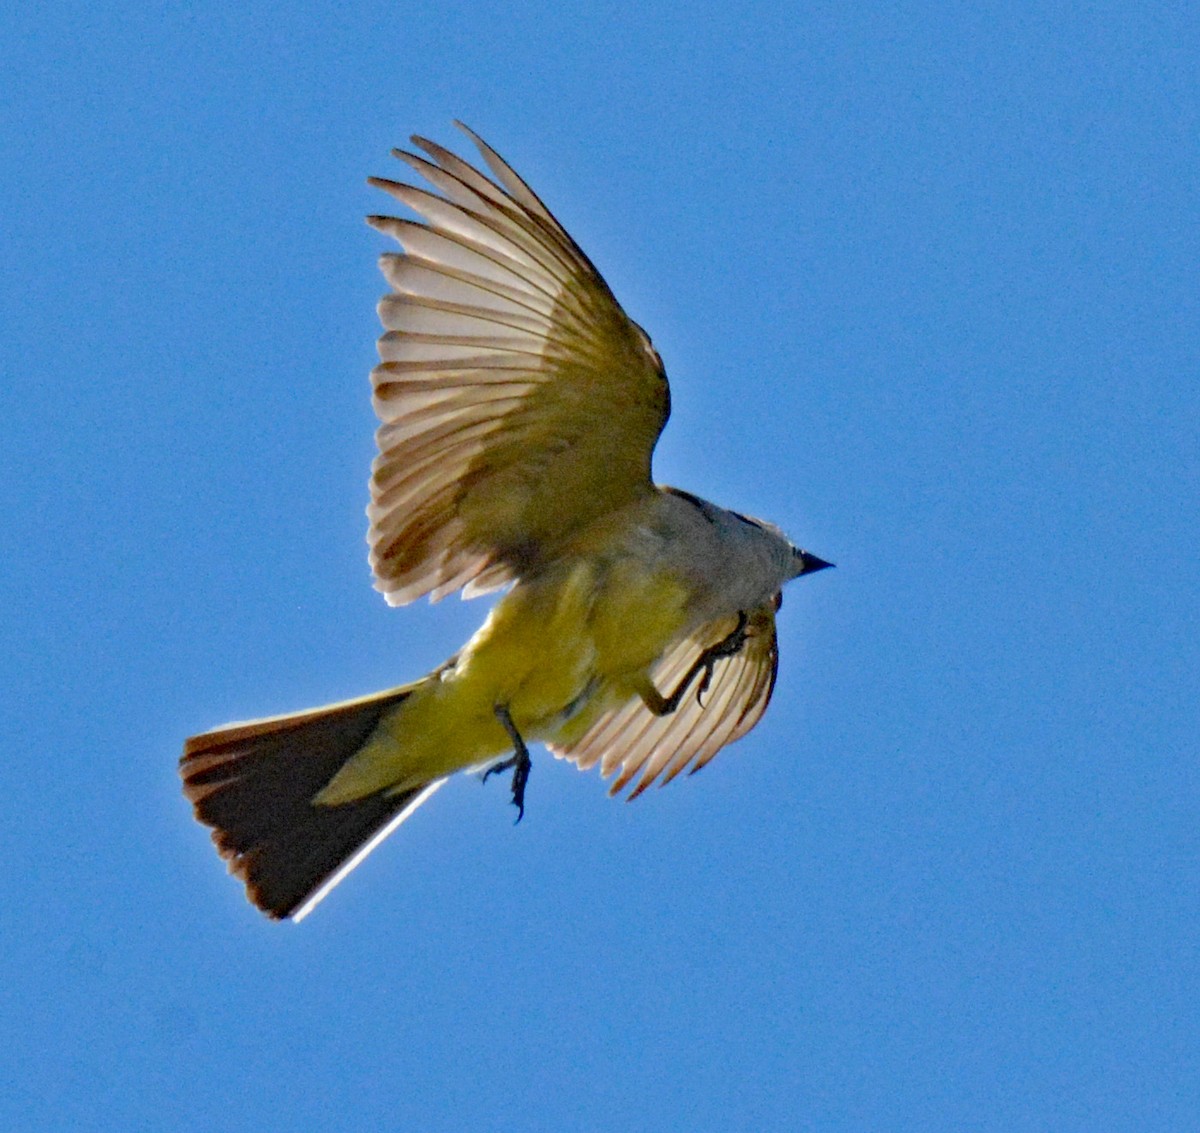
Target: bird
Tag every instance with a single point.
(519, 407)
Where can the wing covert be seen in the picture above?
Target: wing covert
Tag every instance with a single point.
(517, 401)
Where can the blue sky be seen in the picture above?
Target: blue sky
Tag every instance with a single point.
(924, 279)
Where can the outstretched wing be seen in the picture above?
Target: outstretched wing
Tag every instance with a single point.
(518, 401)
(640, 745)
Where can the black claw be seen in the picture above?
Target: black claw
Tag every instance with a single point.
(519, 779)
(503, 765)
(705, 680)
(519, 762)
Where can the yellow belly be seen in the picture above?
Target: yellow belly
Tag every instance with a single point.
(556, 652)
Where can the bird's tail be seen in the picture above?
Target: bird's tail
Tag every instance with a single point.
(255, 785)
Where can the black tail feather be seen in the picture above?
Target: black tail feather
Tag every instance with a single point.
(254, 785)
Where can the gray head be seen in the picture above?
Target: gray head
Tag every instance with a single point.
(801, 561)
(735, 560)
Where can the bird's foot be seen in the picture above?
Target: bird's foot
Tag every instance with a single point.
(519, 762)
(729, 646)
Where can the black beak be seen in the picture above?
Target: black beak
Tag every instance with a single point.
(810, 563)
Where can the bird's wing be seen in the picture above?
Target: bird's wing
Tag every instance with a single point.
(640, 745)
(518, 401)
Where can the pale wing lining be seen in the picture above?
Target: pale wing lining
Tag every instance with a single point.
(489, 297)
(633, 741)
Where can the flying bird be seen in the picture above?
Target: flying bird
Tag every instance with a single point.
(519, 407)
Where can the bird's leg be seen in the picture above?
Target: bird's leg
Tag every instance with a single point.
(728, 646)
(519, 762)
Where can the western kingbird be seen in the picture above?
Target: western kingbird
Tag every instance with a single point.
(519, 408)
